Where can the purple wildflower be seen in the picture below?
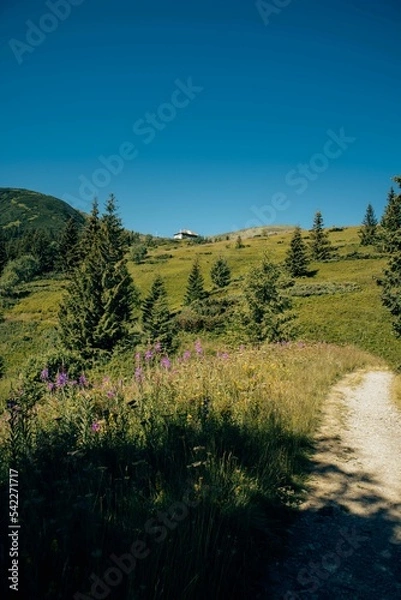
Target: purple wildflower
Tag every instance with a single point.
(110, 394)
(44, 375)
(198, 348)
(61, 379)
(158, 347)
(82, 381)
(139, 374)
(165, 362)
(148, 355)
(138, 357)
(186, 355)
(50, 386)
(223, 355)
(95, 426)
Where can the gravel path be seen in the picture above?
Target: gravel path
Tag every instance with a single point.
(346, 542)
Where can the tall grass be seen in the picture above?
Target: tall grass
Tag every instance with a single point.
(188, 466)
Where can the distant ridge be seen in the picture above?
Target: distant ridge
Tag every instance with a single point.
(22, 210)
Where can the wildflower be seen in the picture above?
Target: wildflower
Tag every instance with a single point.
(44, 375)
(110, 394)
(165, 362)
(82, 381)
(223, 355)
(186, 355)
(138, 357)
(148, 355)
(95, 426)
(158, 347)
(61, 379)
(139, 374)
(198, 348)
(50, 386)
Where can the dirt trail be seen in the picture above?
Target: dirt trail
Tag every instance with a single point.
(346, 542)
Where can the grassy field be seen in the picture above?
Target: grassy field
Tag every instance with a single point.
(197, 459)
(193, 461)
(352, 317)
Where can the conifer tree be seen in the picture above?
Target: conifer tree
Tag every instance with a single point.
(391, 294)
(368, 232)
(68, 255)
(319, 245)
(391, 219)
(96, 313)
(156, 317)
(220, 273)
(195, 285)
(268, 315)
(297, 260)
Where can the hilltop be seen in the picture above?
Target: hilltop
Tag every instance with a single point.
(23, 210)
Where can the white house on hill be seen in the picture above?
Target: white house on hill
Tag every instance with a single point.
(185, 234)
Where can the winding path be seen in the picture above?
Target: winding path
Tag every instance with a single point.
(346, 542)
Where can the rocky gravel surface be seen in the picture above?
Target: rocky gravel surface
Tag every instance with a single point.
(346, 542)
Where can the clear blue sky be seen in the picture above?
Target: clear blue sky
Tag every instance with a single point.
(253, 141)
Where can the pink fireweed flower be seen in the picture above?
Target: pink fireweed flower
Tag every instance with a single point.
(198, 347)
(138, 357)
(148, 355)
(139, 374)
(61, 379)
(50, 386)
(95, 426)
(44, 375)
(186, 355)
(165, 362)
(110, 394)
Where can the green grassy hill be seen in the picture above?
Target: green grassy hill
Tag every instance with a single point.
(22, 210)
(340, 304)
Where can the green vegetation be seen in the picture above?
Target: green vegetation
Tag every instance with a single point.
(23, 210)
(368, 232)
(177, 434)
(297, 260)
(319, 241)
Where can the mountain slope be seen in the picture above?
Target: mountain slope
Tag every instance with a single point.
(21, 210)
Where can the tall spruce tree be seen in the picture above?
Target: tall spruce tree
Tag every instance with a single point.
(297, 259)
(391, 294)
(68, 255)
(368, 231)
(268, 315)
(195, 285)
(96, 313)
(391, 219)
(156, 317)
(220, 273)
(320, 246)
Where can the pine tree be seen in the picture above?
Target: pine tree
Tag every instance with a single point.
(391, 219)
(220, 273)
(96, 313)
(195, 286)
(268, 315)
(68, 255)
(368, 232)
(156, 317)
(297, 260)
(391, 294)
(320, 245)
